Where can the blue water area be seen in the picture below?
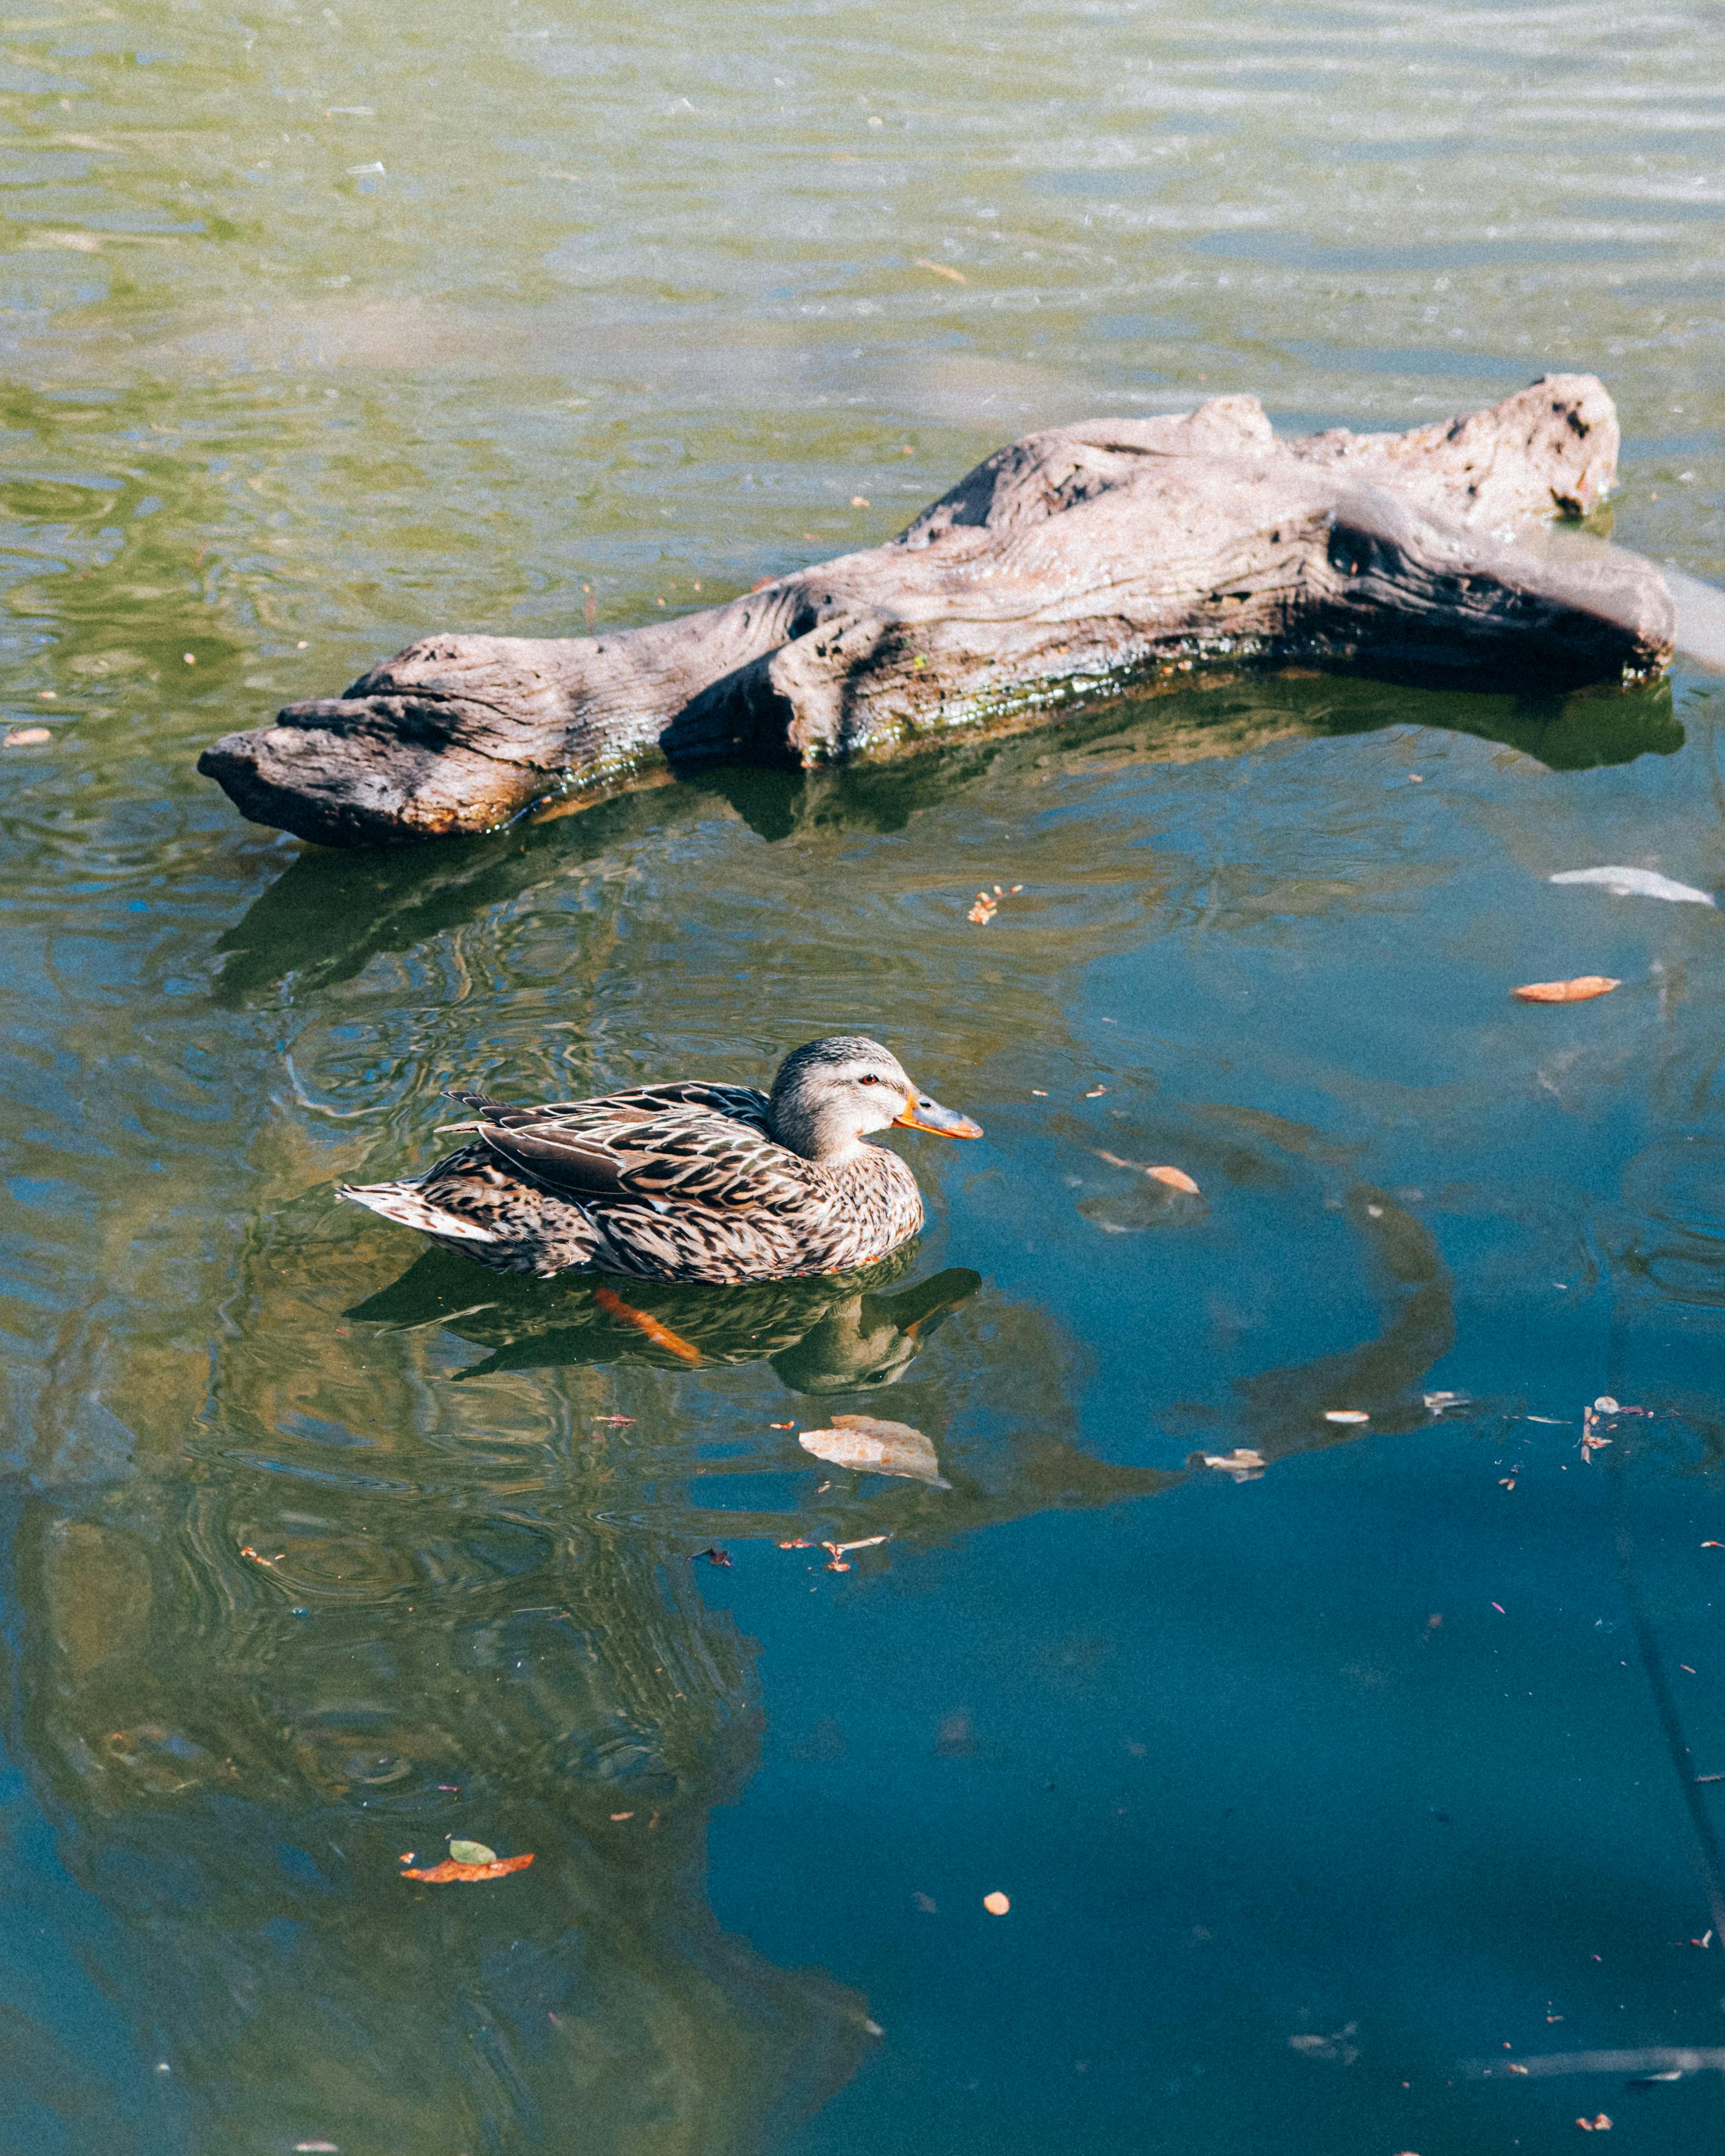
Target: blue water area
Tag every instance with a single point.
(1281, 1707)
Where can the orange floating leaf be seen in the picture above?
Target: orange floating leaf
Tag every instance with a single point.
(1175, 1178)
(996, 1903)
(1581, 990)
(444, 1874)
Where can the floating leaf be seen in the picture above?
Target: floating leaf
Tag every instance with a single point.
(1636, 883)
(876, 1447)
(27, 736)
(1346, 1414)
(444, 1875)
(471, 1852)
(996, 1903)
(1581, 990)
(1175, 1178)
(1242, 1464)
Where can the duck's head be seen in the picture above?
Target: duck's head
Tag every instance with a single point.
(830, 1094)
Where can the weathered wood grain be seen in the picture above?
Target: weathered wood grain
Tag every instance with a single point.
(1078, 556)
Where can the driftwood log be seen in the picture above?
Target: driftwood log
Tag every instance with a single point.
(1072, 561)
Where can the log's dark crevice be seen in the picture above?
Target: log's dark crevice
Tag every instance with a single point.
(1075, 560)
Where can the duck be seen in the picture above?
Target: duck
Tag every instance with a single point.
(689, 1181)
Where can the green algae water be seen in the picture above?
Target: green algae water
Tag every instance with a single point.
(1326, 1788)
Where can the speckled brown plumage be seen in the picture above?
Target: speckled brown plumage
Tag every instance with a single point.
(688, 1181)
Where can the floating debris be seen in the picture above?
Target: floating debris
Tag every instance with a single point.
(1582, 989)
(453, 1871)
(1637, 883)
(876, 1447)
(1243, 1464)
(996, 1903)
(838, 1552)
(988, 903)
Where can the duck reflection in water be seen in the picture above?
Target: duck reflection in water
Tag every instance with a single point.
(839, 1333)
(374, 1617)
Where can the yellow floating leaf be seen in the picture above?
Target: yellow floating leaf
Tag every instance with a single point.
(1175, 1178)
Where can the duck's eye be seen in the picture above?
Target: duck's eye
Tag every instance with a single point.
(868, 1078)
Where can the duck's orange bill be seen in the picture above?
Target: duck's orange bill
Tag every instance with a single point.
(921, 1114)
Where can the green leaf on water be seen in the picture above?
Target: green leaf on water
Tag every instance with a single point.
(472, 1852)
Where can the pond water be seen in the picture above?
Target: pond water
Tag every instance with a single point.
(1310, 1789)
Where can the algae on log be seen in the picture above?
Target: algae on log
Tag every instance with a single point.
(1075, 558)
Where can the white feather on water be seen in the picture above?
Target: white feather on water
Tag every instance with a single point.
(1637, 883)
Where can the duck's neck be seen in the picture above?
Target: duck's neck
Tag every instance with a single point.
(819, 1131)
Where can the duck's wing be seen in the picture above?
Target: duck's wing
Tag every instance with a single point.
(702, 1145)
(746, 1104)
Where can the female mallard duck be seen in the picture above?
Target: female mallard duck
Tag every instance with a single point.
(686, 1182)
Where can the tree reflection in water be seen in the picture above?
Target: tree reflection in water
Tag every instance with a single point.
(366, 1621)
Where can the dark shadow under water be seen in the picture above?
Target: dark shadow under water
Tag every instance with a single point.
(329, 913)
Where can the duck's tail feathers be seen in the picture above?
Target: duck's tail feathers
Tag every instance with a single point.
(401, 1203)
(481, 1103)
